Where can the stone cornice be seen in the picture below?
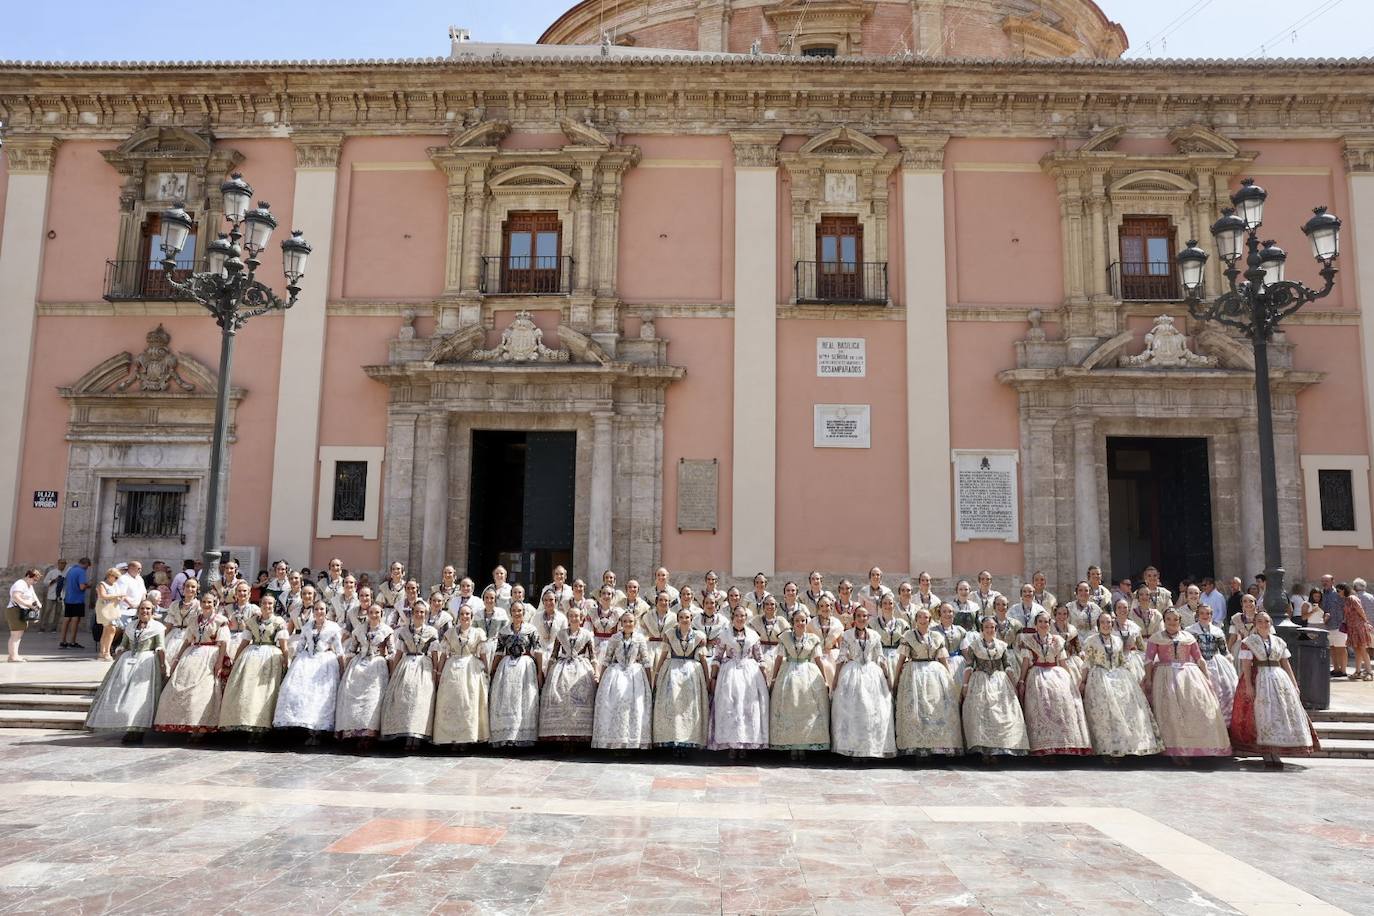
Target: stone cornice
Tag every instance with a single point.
(1359, 154)
(1001, 98)
(30, 155)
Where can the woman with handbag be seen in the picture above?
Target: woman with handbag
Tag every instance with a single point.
(23, 609)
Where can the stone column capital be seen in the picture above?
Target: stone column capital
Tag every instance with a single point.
(29, 154)
(756, 148)
(317, 150)
(923, 152)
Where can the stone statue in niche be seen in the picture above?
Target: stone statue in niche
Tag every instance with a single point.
(155, 369)
(1167, 348)
(521, 342)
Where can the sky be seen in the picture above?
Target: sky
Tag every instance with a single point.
(308, 29)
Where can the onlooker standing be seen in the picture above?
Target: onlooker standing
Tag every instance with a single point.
(53, 580)
(24, 604)
(74, 603)
(1333, 606)
(188, 571)
(1213, 598)
(109, 607)
(1234, 599)
(133, 589)
(1357, 632)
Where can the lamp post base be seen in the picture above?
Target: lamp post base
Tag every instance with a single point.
(1276, 597)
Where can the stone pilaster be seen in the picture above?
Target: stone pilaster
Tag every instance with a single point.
(434, 544)
(600, 503)
(300, 392)
(30, 162)
(1359, 163)
(1087, 514)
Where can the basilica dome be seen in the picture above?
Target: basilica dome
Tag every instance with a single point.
(848, 28)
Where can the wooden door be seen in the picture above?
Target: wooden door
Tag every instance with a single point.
(1147, 258)
(530, 246)
(839, 258)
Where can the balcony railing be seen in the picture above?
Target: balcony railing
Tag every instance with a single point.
(1149, 281)
(142, 280)
(838, 282)
(526, 275)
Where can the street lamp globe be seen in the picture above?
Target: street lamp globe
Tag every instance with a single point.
(258, 225)
(216, 253)
(1191, 261)
(294, 253)
(1323, 230)
(1249, 203)
(176, 228)
(1272, 258)
(1229, 234)
(237, 195)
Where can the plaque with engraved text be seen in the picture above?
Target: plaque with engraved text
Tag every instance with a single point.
(696, 494)
(985, 495)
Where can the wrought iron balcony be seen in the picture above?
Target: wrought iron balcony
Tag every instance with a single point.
(839, 282)
(526, 275)
(1145, 281)
(142, 280)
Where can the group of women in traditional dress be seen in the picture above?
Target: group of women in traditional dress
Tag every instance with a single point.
(889, 674)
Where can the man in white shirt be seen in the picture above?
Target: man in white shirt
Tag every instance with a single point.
(1215, 600)
(53, 580)
(465, 598)
(132, 591)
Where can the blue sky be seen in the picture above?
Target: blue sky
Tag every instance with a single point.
(88, 30)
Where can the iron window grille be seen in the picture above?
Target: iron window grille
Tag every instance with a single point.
(1336, 492)
(148, 511)
(350, 491)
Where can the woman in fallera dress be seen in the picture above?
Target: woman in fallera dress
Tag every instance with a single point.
(460, 708)
(739, 708)
(408, 706)
(799, 705)
(1269, 719)
(861, 708)
(844, 605)
(890, 628)
(624, 698)
(567, 704)
(179, 616)
(1211, 642)
(1132, 637)
(309, 691)
(927, 714)
(655, 622)
(1050, 700)
(1009, 630)
(943, 625)
(127, 698)
(993, 722)
(712, 624)
(1119, 719)
(190, 702)
(770, 625)
(682, 707)
(827, 626)
(604, 621)
(513, 704)
(250, 696)
(1180, 692)
(358, 710)
(491, 619)
(1061, 627)
(1243, 622)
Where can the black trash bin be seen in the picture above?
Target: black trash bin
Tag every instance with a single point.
(1311, 663)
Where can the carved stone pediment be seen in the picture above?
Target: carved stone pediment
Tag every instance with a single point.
(157, 371)
(485, 134)
(584, 134)
(1196, 139)
(522, 343)
(842, 141)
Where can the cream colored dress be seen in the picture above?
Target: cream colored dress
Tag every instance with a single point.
(799, 711)
(682, 707)
(1050, 700)
(993, 722)
(928, 720)
(567, 704)
(861, 723)
(1190, 721)
(1119, 719)
(408, 709)
(460, 707)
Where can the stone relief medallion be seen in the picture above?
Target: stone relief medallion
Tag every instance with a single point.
(841, 188)
(155, 369)
(1166, 347)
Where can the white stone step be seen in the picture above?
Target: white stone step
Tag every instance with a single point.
(42, 718)
(1346, 747)
(1354, 731)
(53, 701)
(76, 690)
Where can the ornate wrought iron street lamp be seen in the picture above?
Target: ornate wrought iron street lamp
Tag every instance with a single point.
(1259, 298)
(229, 290)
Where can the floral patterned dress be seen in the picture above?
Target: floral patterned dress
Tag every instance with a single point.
(309, 692)
(861, 722)
(358, 709)
(567, 705)
(993, 723)
(250, 697)
(799, 708)
(624, 701)
(1050, 700)
(460, 706)
(1190, 721)
(739, 710)
(408, 706)
(927, 703)
(514, 703)
(770, 630)
(127, 698)
(1119, 719)
(1217, 659)
(1269, 718)
(890, 633)
(190, 701)
(682, 708)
